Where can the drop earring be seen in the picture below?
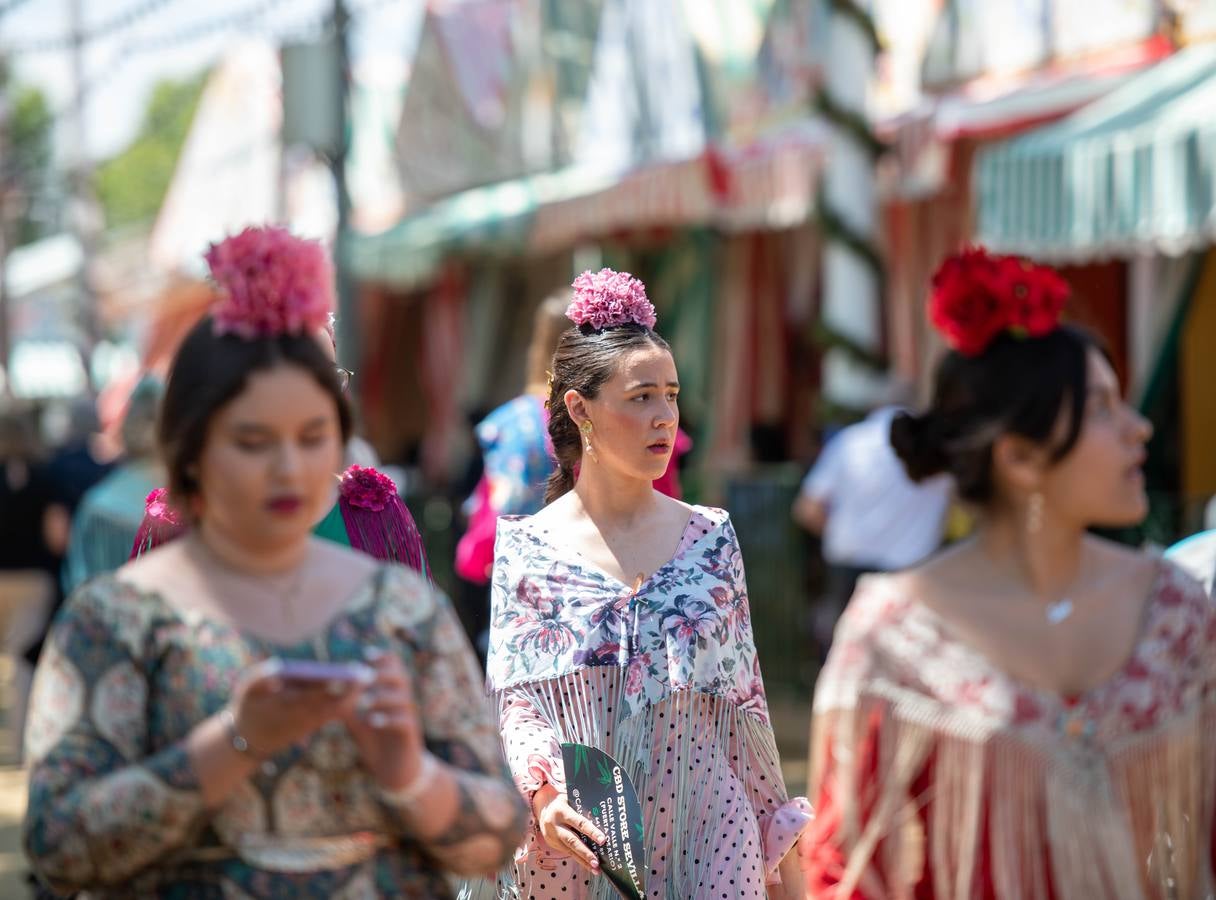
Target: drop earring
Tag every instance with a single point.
(586, 428)
(1034, 513)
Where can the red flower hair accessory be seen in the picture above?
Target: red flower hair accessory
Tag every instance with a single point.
(606, 298)
(977, 296)
(271, 283)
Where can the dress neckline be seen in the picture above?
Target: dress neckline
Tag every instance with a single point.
(368, 590)
(1073, 700)
(688, 538)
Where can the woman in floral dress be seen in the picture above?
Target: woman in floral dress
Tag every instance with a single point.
(174, 751)
(1028, 715)
(621, 621)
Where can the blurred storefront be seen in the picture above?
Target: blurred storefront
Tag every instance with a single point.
(1126, 187)
(963, 76)
(684, 154)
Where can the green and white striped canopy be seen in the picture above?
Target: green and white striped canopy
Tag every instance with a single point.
(1132, 172)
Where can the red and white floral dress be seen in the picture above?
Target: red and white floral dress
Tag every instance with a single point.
(937, 775)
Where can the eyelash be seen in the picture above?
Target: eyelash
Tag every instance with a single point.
(307, 441)
(673, 396)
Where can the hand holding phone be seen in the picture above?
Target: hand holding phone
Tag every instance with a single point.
(315, 671)
(278, 702)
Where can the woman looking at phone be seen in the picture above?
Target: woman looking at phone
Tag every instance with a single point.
(252, 711)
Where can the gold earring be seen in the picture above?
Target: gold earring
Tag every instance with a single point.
(1034, 513)
(586, 428)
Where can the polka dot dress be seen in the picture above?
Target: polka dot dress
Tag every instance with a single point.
(664, 680)
(710, 844)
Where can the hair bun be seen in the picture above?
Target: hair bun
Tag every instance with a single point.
(917, 443)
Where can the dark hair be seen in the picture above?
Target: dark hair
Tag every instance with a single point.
(1016, 386)
(585, 358)
(208, 372)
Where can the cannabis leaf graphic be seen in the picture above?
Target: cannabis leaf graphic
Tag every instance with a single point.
(580, 757)
(605, 774)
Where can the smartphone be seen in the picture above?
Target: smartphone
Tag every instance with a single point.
(311, 670)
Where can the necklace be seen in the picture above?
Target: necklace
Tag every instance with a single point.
(282, 587)
(1058, 611)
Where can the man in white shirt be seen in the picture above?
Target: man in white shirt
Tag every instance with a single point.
(871, 515)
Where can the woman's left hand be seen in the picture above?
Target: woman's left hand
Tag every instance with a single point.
(791, 886)
(385, 724)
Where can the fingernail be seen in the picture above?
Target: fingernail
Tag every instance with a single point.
(377, 720)
(371, 654)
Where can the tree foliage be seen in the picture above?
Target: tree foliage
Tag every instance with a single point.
(27, 157)
(132, 185)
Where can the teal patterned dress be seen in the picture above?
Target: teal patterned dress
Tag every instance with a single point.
(115, 808)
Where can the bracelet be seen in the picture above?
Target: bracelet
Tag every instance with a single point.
(406, 797)
(235, 739)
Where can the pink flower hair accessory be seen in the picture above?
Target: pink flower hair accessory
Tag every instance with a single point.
(157, 506)
(271, 283)
(607, 298)
(365, 488)
(161, 524)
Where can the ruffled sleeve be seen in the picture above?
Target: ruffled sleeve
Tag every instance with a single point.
(534, 753)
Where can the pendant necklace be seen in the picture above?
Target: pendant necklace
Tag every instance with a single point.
(282, 587)
(1060, 610)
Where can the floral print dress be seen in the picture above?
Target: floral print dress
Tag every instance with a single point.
(665, 679)
(115, 808)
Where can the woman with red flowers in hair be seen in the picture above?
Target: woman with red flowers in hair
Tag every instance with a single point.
(1028, 714)
(249, 711)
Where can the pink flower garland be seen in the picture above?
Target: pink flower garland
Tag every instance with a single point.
(272, 283)
(606, 298)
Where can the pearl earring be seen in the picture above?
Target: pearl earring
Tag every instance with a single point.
(586, 428)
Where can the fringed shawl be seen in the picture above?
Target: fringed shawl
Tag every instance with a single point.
(688, 627)
(936, 774)
(665, 679)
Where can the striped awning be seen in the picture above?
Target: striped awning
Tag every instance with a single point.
(495, 219)
(768, 185)
(1133, 172)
